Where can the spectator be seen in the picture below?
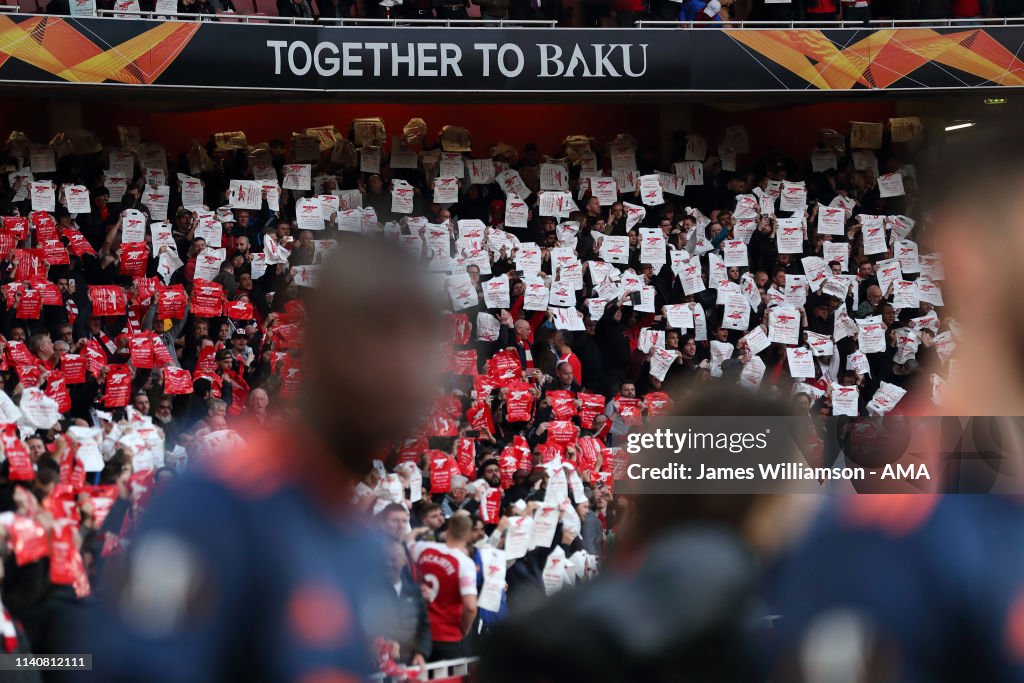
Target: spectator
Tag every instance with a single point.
(494, 9)
(334, 9)
(451, 9)
(450, 579)
(698, 10)
(298, 9)
(406, 611)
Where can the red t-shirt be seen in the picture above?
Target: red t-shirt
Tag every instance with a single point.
(448, 574)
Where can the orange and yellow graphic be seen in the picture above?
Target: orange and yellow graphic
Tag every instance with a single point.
(54, 45)
(883, 57)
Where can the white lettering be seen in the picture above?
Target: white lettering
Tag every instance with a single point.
(426, 59)
(603, 66)
(376, 48)
(326, 66)
(277, 45)
(486, 49)
(550, 55)
(626, 61)
(519, 60)
(398, 58)
(451, 55)
(577, 60)
(351, 63)
(307, 57)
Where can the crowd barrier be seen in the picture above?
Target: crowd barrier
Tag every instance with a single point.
(258, 17)
(977, 22)
(446, 671)
(299, 21)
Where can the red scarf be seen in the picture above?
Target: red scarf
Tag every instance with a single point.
(8, 631)
(107, 342)
(72, 308)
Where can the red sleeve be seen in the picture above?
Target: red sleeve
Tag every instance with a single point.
(517, 305)
(537, 319)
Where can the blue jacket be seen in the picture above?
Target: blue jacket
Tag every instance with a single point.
(692, 10)
(228, 585)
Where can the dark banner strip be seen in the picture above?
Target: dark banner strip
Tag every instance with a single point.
(890, 454)
(472, 60)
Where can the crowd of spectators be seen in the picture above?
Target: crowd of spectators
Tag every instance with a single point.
(586, 13)
(153, 311)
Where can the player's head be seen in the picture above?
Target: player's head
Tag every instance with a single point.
(460, 527)
(975, 220)
(369, 366)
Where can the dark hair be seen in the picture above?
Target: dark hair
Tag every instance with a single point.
(485, 464)
(389, 508)
(46, 476)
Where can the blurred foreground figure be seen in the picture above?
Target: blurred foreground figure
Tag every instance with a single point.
(254, 569)
(680, 603)
(925, 587)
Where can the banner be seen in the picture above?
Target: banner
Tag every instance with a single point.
(370, 60)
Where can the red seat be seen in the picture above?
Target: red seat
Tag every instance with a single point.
(266, 7)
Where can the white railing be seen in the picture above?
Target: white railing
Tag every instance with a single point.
(448, 668)
(239, 18)
(234, 17)
(505, 23)
(872, 24)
